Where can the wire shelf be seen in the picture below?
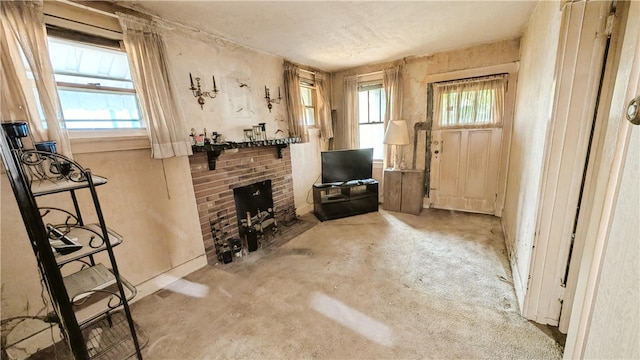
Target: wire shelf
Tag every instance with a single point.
(110, 338)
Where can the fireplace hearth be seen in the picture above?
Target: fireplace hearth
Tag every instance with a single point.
(244, 167)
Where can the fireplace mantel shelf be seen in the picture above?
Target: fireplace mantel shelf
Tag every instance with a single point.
(214, 150)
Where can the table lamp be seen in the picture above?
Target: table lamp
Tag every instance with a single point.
(398, 135)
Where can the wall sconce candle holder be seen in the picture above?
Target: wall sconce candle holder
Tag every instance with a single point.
(198, 93)
(267, 97)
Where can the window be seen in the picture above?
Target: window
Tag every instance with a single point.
(308, 94)
(94, 85)
(470, 102)
(371, 110)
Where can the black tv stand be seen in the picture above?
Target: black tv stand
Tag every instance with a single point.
(348, 198)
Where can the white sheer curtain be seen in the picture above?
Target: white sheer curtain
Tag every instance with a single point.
(392, 84)
(349, 137)
(477, 102)
(23, 29)
(297, 126)
(324, 107)
(149, 67)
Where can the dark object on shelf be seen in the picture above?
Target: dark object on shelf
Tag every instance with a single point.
(47, 146)
(214, 150)
(61, 242)
(341, 200)
(15, 131)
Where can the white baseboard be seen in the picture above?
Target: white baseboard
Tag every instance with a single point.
(160, 281)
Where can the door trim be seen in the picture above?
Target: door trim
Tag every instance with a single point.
(607, 188)
(509, 109)
(579, 53)
(588, 208)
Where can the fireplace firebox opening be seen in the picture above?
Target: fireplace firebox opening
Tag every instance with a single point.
(255, 213)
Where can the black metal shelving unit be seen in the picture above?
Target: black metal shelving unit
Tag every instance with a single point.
(92, 304)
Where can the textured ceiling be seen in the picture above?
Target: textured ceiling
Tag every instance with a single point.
(334, 35)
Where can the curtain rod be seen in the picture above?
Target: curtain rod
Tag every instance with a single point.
(472, 79)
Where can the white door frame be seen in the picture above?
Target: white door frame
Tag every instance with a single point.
(589, 206)
(578, 72)
(606, 190)
(509, 108)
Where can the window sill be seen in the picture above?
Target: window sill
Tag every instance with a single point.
(87, 145)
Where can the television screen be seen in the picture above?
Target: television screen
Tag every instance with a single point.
(346, 165)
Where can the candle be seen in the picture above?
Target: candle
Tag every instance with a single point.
(191, 78)
(214, 82)
(266, 91)
(278, 92)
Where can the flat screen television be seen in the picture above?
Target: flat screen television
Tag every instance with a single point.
(346, 165)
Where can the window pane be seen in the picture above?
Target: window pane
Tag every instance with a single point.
(371, 136)
(467, 107)
(89, 60)
(374, 106)
(97, 68)
(99, 110)
(485, 106)
(309, 116)
(363, 107)
(477, 102)
(306, 94)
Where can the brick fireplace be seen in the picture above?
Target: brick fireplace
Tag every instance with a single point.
(236, 168)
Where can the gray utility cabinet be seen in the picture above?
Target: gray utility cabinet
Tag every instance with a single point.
(403, 190)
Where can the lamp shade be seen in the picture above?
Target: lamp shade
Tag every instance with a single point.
(397, 133)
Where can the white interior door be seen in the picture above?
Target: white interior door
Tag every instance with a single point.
(465, 165)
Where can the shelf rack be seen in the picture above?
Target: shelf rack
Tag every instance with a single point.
(34, 173)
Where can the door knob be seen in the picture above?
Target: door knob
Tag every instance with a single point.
(633, 111)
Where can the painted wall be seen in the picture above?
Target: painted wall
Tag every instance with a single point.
(151, 202)
(307, 169)
(534, 97)
(416, 71)
(241, 76)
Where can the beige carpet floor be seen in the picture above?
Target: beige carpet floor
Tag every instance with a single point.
(383, 285)
(380, 285)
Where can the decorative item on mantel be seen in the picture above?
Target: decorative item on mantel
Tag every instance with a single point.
(198, 93)
(214, 150)
(267, 97)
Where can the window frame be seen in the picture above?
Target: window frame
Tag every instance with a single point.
(370, 86)
(463, 94)
(311, 86)
(96, 42)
